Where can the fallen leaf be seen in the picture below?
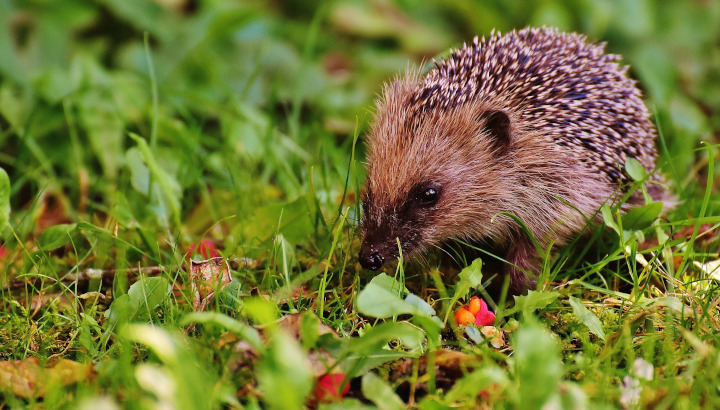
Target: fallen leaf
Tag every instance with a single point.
(496, 336)
(51, 212)
(59, 300)
(28, 378)
(297, 293)
(293, 325)
(244, 263)
(711, 268)
(207, 277)
(705, 232)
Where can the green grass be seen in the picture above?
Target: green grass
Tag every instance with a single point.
(131, 130)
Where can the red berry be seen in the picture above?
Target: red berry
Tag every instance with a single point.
(328, 390)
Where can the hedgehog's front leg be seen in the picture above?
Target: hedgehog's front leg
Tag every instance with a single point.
(523, 267)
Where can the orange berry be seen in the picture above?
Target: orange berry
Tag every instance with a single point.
(475, 305)
(464, 317)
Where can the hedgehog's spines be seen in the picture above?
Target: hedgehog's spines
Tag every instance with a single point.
(555, 75)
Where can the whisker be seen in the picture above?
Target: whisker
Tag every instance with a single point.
(447, 253)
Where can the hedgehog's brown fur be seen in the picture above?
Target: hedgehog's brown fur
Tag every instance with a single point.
(523, 123)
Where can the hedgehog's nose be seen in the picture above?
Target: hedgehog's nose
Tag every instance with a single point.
(372, 261)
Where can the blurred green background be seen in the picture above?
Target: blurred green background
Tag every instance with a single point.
(253, 97)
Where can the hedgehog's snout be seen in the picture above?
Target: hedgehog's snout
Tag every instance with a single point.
(370, 257)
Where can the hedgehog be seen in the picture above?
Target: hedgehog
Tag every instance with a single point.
(534, 125)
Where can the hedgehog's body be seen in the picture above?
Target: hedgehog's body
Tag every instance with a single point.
(534, 123)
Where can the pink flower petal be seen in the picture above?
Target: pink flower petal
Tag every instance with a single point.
(484, 317)
(205, 248)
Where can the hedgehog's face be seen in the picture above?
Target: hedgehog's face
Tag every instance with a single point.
(388, 229)
(430, 181)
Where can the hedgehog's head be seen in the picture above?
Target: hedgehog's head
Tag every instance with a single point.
(433, 175)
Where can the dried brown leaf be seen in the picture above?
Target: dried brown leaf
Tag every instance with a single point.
(28, 378)
(207, 277)
(495, 335)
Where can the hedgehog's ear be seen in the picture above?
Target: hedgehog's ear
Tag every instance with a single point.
(498, 127)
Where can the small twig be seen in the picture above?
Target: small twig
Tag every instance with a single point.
(91, 273)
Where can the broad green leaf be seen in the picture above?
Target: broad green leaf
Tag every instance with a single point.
(169, 186)
(119, 313)
(538, 367)
(260, 310)
(421, 306)
(139, 172)
(14, 106)
(380, 393)
(245, 331)
(532, 301)
(104, 127)
(688, 115)
(432, 325)
(608, 218)
(635, 169)
(56, 236)
(641, 217)
(309, 330)
(283, 373)
(377, 338)
(391, 284)
(382, 297)
(587, 318)
(182, 380)
(361, 354)
(355, 365)
(470, 277)
(471, 384)
(122, 211)
(571, 396)
(85, 333)
(146, 294)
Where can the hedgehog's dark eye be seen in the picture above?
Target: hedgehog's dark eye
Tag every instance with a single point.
(430, 195)
(427, 195)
